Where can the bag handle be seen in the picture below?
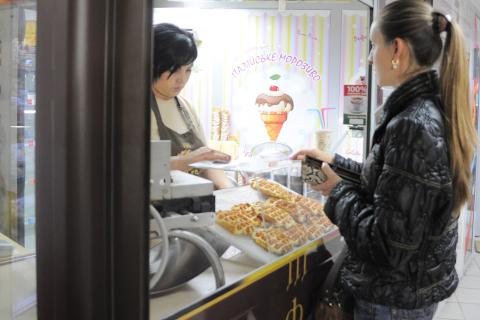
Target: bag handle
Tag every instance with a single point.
(329, 283)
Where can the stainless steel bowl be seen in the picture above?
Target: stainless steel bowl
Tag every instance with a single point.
(186, 261)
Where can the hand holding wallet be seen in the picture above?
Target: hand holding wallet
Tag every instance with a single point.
(312, 172)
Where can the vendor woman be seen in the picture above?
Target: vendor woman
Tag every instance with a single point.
(173, 118)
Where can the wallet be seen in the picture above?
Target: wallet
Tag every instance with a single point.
(312, 172)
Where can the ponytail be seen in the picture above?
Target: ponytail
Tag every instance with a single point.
(462, 137)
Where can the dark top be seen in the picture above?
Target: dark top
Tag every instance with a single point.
(398, 223)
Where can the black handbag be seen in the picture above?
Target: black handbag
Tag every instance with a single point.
(333, 302)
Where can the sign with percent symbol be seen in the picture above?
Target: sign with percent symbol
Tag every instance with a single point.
(355, 104)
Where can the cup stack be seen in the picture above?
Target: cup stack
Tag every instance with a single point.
(215, 125)
(224, 125)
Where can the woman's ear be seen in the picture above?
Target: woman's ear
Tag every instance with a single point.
(401, 50)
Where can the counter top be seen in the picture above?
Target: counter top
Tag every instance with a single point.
(235, 267)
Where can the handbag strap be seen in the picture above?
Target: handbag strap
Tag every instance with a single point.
(329, 283)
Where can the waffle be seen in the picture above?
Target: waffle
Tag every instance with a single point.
(260, 238)
(272, 189)
(314, 206)
(320, 219)
(317, 226)
(245, 209)
(273, 240)
(274, 215)
(298, 212)
(314, 231)
(297, 234)
(240, 219)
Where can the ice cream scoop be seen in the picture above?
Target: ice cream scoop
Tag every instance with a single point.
(274, 101)
(274, 107)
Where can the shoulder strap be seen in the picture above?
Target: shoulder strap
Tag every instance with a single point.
(185, 115)
(332, 274)
(156, 112)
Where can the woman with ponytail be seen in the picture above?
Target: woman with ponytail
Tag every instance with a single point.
(400, 224)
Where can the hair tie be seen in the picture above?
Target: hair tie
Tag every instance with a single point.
(441, 22)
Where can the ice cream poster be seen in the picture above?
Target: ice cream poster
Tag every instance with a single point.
(279, 79)
(277, 98)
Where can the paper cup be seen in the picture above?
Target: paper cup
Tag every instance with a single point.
(323, 139)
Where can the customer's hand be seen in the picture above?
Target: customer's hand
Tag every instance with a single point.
(332, 180)
(314, 153)
(183, 162)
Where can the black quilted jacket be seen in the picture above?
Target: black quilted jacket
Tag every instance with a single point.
(398, 224)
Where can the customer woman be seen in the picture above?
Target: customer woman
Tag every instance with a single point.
(400, 224)
(173, 118)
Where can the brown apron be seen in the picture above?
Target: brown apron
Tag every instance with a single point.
(181, 144)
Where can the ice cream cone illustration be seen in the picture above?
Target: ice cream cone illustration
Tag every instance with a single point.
(273, 123)
(274, 107)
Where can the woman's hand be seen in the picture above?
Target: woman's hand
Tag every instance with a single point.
(314, 153)
(332, 180)
(183, 162)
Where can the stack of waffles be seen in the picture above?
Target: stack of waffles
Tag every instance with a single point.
(280, 223)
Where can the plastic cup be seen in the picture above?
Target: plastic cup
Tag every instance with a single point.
(323, 139)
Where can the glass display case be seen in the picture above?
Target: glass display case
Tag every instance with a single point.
(250, 51)
(266, 244)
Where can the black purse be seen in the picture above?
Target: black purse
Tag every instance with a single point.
(333, 302)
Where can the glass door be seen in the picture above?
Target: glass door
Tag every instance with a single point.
(18, 43)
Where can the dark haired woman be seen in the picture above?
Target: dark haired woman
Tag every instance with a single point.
(400, 224)
(173, 118)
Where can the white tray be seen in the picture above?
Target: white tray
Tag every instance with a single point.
(225, 199)
(251, 249)
(248, 165)
(245, 244)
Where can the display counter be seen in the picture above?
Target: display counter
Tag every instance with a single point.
(258, 284)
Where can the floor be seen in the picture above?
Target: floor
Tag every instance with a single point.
(464, 304)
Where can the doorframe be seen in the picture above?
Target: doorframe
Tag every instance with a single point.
(92, 158)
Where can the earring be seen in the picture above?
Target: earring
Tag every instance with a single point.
(395, 64)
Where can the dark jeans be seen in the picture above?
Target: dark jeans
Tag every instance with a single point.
(369, 311)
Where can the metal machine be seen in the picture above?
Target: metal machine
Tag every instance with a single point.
(182, 206)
